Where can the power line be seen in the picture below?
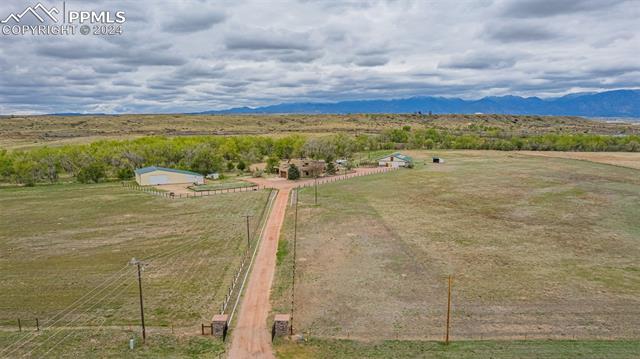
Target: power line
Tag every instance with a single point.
(60, 329)
(68, 313)
(75, 333)
(113, 280)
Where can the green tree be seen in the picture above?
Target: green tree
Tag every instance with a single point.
(125, 173)
(25, 171)
(91, 173)
(241, 165)
(6, 165)
(293, 173)
(272, 164)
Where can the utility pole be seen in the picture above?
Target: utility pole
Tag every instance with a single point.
(248, 233)
(293, 277)
(316, 185)
(140, 265)
(446, 339)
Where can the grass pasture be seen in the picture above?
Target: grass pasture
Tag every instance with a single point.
(623, 159)
(67, 246)
(539, 248)
(535, 349)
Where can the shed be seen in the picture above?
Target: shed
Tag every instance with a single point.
(438, 160)
(152, 176)
(395, 160)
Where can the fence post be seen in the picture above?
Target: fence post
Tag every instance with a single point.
(19, 325)
(37, 325)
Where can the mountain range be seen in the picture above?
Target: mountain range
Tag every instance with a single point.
(617, 103)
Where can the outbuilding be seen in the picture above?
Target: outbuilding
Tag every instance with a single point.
(395, 160)
(152, 176)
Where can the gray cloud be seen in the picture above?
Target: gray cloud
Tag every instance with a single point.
(193, 21)
(267, 40)
(371, 61)
(520, 33)
(545, 8)
(192, 56)
(480, 61)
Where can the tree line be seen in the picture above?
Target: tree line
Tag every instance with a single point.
(118, 159)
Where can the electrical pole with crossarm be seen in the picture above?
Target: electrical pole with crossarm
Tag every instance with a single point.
(247, 216)
(140, 266)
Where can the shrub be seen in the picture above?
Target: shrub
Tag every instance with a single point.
(293, 173)
(125, 173)
(272, 164)
(91, 173)
(331, 168)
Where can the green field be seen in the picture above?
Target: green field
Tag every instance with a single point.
(538, 248)
(65, 249)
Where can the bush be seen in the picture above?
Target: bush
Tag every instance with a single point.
(331, 168)
(272, 164)
(91, 173)
(293, 173)
(125, 173)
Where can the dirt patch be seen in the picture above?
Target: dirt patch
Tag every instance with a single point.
(176, 188)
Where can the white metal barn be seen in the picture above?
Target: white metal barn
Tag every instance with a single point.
(395, 160)
(152, 176)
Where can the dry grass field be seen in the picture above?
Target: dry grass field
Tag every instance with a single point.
(539, 248)
(34, 131)
(522, 349)
(624, 159)
(58, 243)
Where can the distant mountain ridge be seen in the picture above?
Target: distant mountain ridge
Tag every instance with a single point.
(617, 103)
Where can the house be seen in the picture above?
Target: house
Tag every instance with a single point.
(306, 166)
(395, 160)
(151, 176)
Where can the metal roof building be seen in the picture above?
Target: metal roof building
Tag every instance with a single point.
(395, 160)
(152, 176)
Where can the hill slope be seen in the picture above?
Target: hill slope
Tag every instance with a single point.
(618, 103)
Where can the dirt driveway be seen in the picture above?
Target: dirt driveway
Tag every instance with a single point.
(282, 183)
(251, 338)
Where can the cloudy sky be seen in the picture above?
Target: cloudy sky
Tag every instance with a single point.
(180, 56)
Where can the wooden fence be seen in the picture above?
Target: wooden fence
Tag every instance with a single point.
(172, 195)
